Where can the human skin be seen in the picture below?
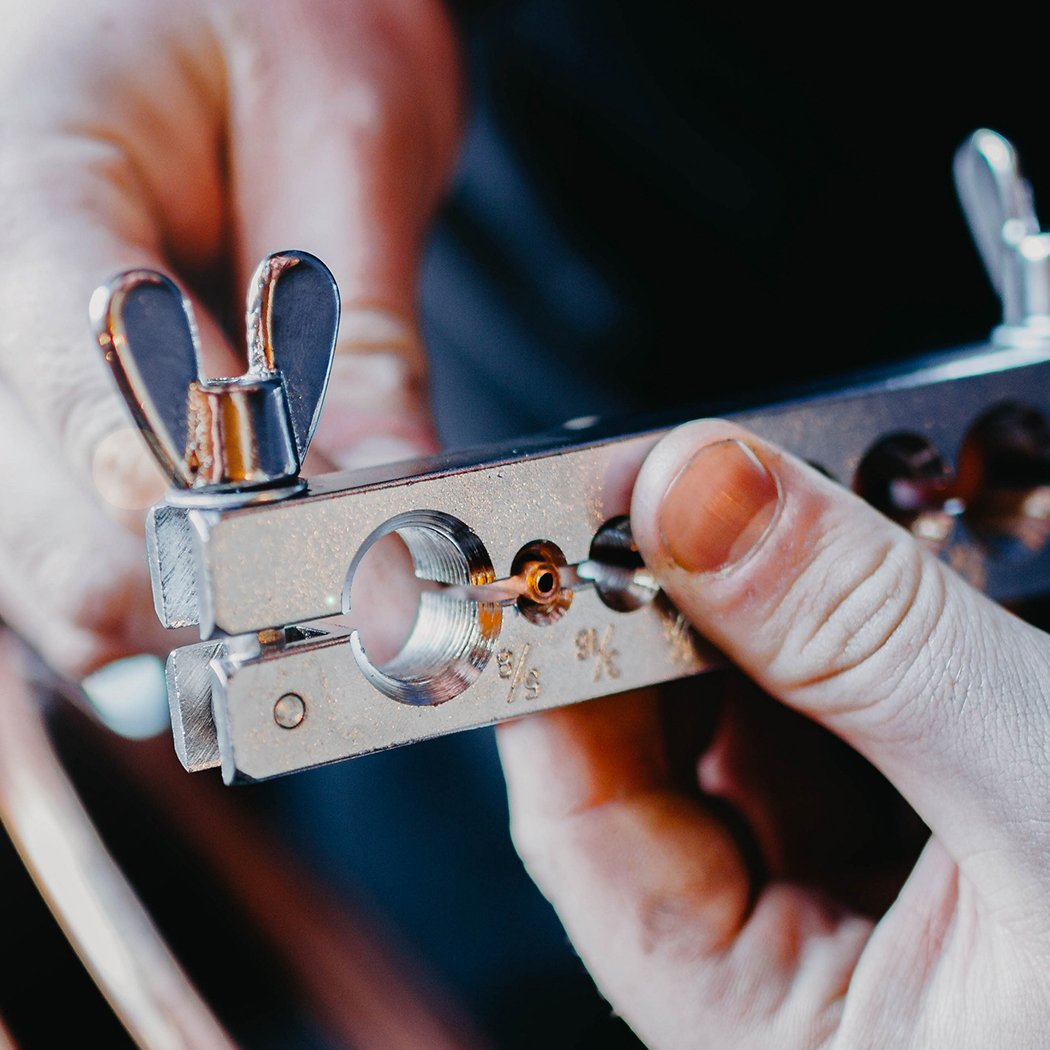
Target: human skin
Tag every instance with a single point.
(194, 138)
(846, 620)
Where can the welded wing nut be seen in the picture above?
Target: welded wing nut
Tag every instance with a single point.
(247, 432)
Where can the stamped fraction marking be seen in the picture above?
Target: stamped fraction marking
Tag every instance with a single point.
(589, 646)
(519, 673)
(680, 637)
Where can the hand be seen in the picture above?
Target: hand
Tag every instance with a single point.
(844, 619)
(194, 138)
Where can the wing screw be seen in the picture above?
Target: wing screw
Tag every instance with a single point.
(237, 438)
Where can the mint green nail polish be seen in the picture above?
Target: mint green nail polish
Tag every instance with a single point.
(130, 696)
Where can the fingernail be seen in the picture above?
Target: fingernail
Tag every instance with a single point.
(130, 696)
(718, 507)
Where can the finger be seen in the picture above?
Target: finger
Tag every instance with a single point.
(69, 579)
(344, 121)
(109, 166)
(839, 613)
(653, 889)
(124, 164)
(774, 765)
(72, 402)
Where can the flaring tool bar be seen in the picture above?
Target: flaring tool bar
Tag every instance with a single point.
(539, 597)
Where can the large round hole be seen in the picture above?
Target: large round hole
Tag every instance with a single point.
(384, 600)
(452, 637)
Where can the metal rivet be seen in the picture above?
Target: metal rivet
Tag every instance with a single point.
(288, 712)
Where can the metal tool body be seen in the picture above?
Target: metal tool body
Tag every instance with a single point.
(543, 602)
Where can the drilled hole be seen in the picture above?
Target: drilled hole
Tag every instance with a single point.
(538, 567)
(905, 477)
(384, 599)
(1004, 471)
(620, 577)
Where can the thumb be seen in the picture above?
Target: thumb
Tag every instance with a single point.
(841, 614)
(344, 119)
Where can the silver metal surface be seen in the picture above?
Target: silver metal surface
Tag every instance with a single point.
(473, 656)
(292, 322)
(172, 571)
(289, 711)
(216, 436)
(539, 597)
(189, 680)
(1000, 210)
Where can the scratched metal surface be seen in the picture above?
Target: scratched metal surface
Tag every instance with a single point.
(286, 563)
(531, 668)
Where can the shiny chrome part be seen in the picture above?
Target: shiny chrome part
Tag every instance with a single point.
(292, 323)
(148, 336)
(242, 436)
(189, 679)
(545, 594)
(615, 567)
(544, 600)
(220, 436)
(998, 203)
(474, 656)
(289, 711)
